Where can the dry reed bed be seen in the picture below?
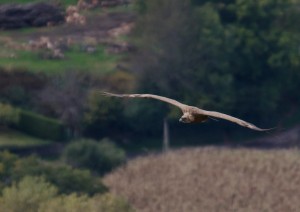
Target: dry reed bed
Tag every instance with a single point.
(211, 179)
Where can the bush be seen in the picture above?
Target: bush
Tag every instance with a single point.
(8, 115)
(102, 113)
(110, 203)
(69, 203)
(75, 203)
(100, 156)
(65, 178)
(35, 194)
(26, 195)
(7, 161)
(41, 126)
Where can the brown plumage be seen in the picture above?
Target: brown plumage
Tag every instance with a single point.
(190, 114)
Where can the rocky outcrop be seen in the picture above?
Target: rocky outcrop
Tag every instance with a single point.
(13, 16)
(73, 16)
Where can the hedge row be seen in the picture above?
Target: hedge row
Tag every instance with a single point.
(41, 126)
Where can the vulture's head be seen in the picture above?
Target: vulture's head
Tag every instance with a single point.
(187, 118)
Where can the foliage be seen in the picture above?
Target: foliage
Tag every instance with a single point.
(66, 203)
(34, 194)
(160, 62)
(40, 126)
(8, 115)
(211, 179)
(181, 50)
(17, 86)
(26, 195)
(64, 97)
(101, 156)
(237, 56)
(102, 113)
(74, 203)
(65, 178)
(119, 81)
(263, 53)
(111, 203)
(7, 161)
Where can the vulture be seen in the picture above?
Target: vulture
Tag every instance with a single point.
(191, 114)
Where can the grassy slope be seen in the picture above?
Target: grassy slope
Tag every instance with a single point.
(17, 139)
(98, 62)
(12, 57)
(211, 179)
(75, 58)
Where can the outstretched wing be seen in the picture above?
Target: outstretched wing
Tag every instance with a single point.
(161, 98)
(232, 119)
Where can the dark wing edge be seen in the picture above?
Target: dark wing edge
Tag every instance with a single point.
(233, 119)
(161, 98)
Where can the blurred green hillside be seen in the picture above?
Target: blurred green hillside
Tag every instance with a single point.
(236, 57)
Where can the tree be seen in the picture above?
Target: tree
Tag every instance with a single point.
(263, 54)
(237, 56)
(100, 157)
(181, 54)
(65, 178)
(27, 194)
(8, 115)
(64, 97)
(103, 115)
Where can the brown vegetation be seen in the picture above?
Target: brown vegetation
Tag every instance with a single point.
(211, 179)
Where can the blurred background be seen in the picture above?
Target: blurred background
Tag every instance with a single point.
(234, 56)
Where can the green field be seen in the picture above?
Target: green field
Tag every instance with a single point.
(18, 140)
(75, 59)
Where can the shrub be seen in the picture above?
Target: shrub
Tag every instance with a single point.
(35, 194)
(110, 203)
(66, 203)
(41, 126)
(65, 178)
(102, 113)
(26, 195)
(100, 156)
(8, 115)
(7, 161)
(75, 203)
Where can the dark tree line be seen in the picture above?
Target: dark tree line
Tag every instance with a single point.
(237, 56)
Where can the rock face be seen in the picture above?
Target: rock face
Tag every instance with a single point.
(13, 16)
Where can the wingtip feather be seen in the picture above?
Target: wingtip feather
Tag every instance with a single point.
(104, 93)
(260, 129)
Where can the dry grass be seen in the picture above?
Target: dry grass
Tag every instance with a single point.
(211, 179)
